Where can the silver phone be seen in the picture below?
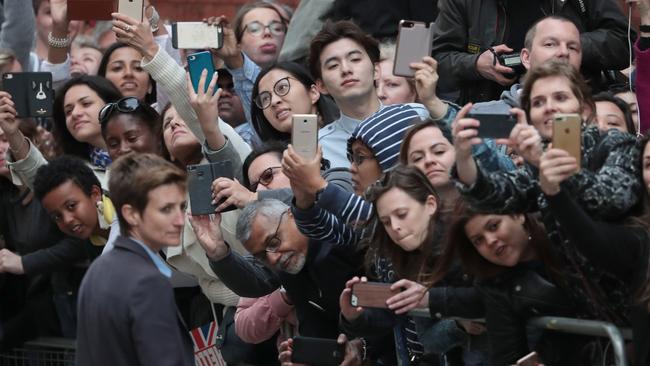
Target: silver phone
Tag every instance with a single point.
(132, 8)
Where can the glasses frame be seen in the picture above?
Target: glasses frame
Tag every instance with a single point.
(359, 159)
(265, 26)
(257, 100)
(124, 105)
(274, 243)
(254, 185)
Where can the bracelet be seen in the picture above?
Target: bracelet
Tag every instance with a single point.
(58, 42)
(154, 19)
(645, 28)
(364, 349)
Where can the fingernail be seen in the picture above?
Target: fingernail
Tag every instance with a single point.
(214, 202)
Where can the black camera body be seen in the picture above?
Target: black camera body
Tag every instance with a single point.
(513, 61)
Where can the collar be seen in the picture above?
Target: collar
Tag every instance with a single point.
(160, 264)
(348, 124)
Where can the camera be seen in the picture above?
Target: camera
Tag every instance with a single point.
(513, 61)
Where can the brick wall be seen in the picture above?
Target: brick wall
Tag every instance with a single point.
(186, 10)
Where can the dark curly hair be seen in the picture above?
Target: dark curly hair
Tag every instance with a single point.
(62, 169)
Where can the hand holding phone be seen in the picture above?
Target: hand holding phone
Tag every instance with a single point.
(200, 186)
(371, 294)
(304, 135)
(317, 351)
(414, 41)
(197, 35)
(132, 8)
(567, 134)
(196, 63)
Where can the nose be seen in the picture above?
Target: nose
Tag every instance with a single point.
(128, 71)
(563, 51)
(273, 258)
(490, 239)
(67, 219)
(266, 32)
(345, 67)
(380, 92)
(76, 110)
(174, 124)
(125, 148)
(275, 99)
(395, 226)
(179, 219)
(430, 159)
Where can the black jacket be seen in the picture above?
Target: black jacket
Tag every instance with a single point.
(466, 28)
(315, 290)
(511, 299)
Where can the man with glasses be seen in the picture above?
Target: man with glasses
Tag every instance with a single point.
(312, 273)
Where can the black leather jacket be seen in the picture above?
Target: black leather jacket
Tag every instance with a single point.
(466, 28)
(510, 300)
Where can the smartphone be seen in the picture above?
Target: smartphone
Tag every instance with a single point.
(304, 135)
(371, 294)
(317, 351)
(196, 63)
(196, 35)
(567, 134)
(31, 93)
(132, 8)
(414, 41)
(494, 125)
(530, 359)
(90, 9)
(199, 186)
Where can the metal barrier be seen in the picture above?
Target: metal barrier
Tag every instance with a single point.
(575, 326)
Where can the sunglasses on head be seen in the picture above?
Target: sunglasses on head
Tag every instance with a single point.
(124, 105)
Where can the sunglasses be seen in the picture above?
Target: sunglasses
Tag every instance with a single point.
(124, 105)
(265, 178)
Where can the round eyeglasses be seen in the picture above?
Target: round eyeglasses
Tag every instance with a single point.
(256, 28)
(280, 88)
(265, 178)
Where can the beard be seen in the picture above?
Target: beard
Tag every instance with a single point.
(295, 262)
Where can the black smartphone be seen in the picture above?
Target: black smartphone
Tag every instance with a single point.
(317, 351)
(31, 93)
(494, 125)
(200, 186)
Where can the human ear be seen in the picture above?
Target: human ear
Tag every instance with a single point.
(131, 215)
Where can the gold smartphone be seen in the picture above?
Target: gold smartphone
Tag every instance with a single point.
(304, 135)
(567, 134)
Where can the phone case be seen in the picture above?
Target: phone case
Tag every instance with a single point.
(200, 185)
(494, 126)
(567, 134)
(371, 294)
(196, 63)
(31, 93)
(317, 351)
(196, 35)
(304, 135)
(90, 9)
(132, 8)
(414, 41)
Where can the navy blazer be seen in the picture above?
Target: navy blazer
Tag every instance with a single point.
(127, 314)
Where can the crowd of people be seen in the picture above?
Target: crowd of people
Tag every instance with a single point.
(98, 242)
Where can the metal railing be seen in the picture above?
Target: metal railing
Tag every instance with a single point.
(575, 326)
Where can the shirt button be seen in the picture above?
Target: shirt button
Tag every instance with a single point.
(438, 315)
(517, 288)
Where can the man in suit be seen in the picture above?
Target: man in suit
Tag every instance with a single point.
(126, 311)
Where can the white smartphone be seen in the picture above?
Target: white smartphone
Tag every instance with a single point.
(304, 135)
(132, 8)
(196, 35)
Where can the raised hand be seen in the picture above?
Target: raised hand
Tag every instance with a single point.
(208, 232)
(413, 295)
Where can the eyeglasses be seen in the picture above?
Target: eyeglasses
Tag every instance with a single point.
(274, 243)
(358, 158)
(256, 28)
(124, 105)
(280, 88)
(265, 178)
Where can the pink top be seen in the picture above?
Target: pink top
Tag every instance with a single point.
(257, 320)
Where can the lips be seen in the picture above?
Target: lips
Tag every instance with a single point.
(128, 85)
(76, 229)
(177, 133)
(269, 48)
(77, 125)
(347, 82)
(500, 250)
(283, 114)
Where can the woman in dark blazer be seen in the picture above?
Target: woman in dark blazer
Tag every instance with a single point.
(127, 314)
